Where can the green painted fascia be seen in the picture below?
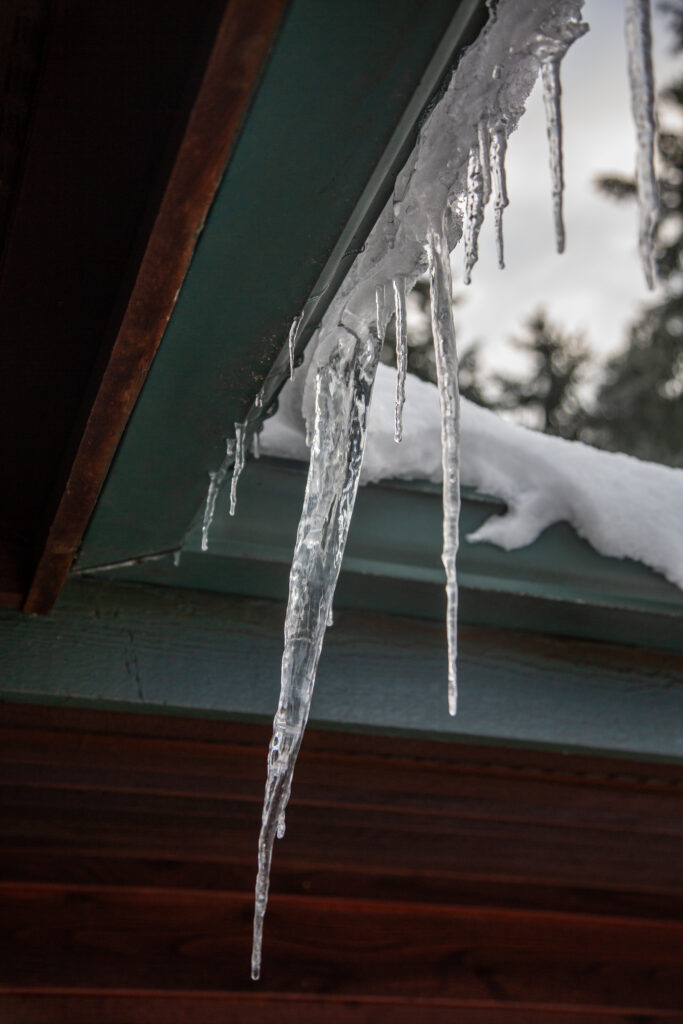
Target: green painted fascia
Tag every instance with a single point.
(162, 649)
(334, 118)
(558, 585)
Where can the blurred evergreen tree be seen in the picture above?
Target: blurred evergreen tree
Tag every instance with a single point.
(549, 392)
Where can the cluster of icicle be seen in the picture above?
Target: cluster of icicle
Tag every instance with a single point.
(457, 166)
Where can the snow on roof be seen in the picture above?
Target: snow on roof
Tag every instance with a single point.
(623, 507)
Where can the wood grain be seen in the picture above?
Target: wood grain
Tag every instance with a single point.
(418, 880)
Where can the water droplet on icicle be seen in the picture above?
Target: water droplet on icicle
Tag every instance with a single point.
(641, 80)
(443, 329)
(401, 354)
(499, 184)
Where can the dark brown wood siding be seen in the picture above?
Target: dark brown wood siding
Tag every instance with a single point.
(418, 881)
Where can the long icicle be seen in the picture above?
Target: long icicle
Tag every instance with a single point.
(443, 329)
(641, 80)
(499, 184)
(344, 386)
(401, 354)
(552, 93)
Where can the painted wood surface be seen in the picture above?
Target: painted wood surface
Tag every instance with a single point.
(417, 880)
(333, 121)
(154, 648)
(558, 585)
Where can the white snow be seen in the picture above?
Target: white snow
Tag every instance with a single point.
(623, 507)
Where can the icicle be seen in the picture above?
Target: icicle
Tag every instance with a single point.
(380, 313)
(443, 330)
(330, 618)
(176, 557)
(291, 341)
(641, 79)
(238, 467)
(552, 91)
(474, 211)
(258, 401)
(216, 482)
(343, 389)
(484, 140)
(256, 444)
(401, 354)
(499, 184)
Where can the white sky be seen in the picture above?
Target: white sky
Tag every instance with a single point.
(597, 285)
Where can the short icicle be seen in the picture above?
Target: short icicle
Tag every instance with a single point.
(443, 330)
(401, 354)
(291, 343)
(474, 211)
(641, 80)
(238, 467)
(484, 140)
(499, 184)
(380, 312)
(343, 389)
(215, 483)
(552, 93)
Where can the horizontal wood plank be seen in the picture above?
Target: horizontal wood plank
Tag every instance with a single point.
(92, 936)
(210, 1008)
(418, 880)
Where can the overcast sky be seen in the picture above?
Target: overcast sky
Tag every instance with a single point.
(597, 285)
